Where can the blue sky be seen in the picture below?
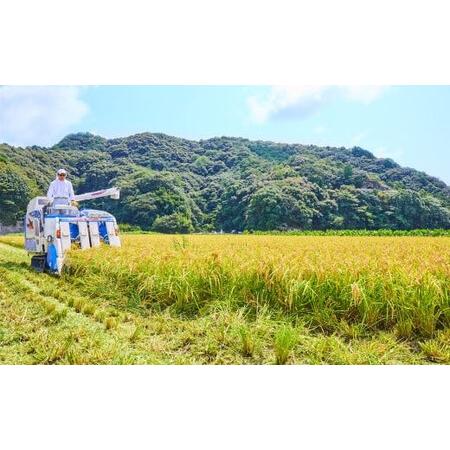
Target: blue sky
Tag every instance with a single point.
(410, 124)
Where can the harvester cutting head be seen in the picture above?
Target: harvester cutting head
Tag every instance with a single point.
(51, 228)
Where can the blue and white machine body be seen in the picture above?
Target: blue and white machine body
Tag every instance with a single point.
(52, 228)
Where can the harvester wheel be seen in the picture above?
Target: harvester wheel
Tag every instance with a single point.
(38, 262)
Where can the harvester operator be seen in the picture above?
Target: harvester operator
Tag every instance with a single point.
(61, 190)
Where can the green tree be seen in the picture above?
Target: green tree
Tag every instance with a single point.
(353, 209)
(147, 195)
(348, 172)
(282, 205)
(230, 183)
(14, 196)
(173, 223)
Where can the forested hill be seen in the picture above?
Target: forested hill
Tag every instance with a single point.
(179, 185)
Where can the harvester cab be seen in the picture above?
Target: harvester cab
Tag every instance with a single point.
(52, 227)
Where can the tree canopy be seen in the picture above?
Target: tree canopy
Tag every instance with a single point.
(171, 184)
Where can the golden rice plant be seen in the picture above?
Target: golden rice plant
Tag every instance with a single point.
(376, 283)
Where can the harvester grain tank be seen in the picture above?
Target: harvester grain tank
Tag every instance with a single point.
(53, 227)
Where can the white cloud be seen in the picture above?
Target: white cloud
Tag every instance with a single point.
(301, 101)
(363, 94)
(38, 115)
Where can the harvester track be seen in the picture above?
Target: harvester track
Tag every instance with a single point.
(42, 321)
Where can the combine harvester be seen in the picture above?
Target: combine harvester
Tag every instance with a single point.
(52, 227)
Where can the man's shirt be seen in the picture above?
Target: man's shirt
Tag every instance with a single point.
(60, 189)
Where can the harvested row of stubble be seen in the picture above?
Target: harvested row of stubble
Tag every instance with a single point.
(377, 283)
(43, 321)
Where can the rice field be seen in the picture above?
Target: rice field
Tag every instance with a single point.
(232, 299)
